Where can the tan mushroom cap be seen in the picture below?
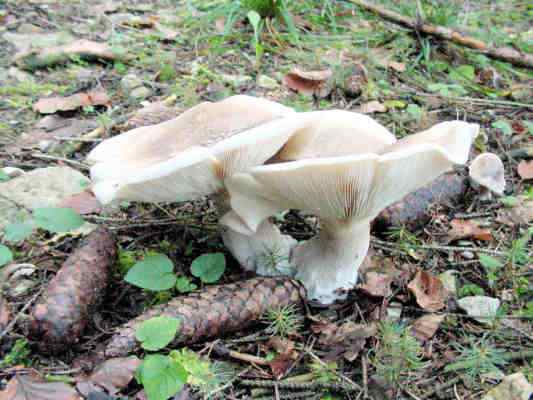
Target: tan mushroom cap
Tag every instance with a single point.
(334, 133)
(488, 171)
(189, 156)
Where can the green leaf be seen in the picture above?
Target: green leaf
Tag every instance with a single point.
(184, 285)
(209, 267)
(156, 333)
(503, 126)
(6, 255)
(161, 377)
(463, 72)
(529, 126)
(414, 110)
(509, 201)
(18, 231)
(3, 176)
(57, 219)
(490, 263)
(155, 272)
(254, 19)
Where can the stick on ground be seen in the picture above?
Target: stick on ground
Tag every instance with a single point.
(506, 54)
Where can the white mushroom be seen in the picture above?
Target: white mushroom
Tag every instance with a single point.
(346, 193)
(190, 156)
(488, 172)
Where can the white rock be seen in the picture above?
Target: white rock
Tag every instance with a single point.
(481, 308)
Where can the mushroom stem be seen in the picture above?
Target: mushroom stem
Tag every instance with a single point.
(265, 251)
(328, 263)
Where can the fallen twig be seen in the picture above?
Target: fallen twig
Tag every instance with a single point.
(214, 311)
(78, 286)
(506, 54)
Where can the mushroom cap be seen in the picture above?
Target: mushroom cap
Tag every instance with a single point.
(488, 171)
(349, 188)
(334, 133)
(189, 156)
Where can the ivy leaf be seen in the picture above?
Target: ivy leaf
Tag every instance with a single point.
(184, 285)
(490, 263)
(209, 267)
(161, 377)
(156, 333)
(57, 219)
(6, 255)
(155, 272)
(18, 231)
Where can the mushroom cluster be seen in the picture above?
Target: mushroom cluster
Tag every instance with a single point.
(257, 158)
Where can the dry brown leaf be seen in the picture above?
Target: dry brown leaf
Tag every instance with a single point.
(467, 229)
(428, 291)
(48, 132)
(220, 24)
(115, 374)
(28, 387)
(425, 327)
(309, 83)
(83, 203)
(520, 214)
(152, 114)
(52, 104)
(525, 169)
(5, 314)
(377, 285)
(397, 66)
(373, 106)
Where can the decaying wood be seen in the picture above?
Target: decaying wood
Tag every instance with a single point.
(414, 209)
(214, 311)
(63, 313)
(500, 53)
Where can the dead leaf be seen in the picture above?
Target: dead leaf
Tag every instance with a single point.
(83, 203)
(425, 327)
(5, 314)
(377, 285)
(281, 345)
(115, 374)
(525, 170)
(151, 114)
(49, 56)
(397, 66)
(28, 387)
(371, 107)
(481, 308)
(280, 364)
(52, 104)
(309, 83)
(428, 291)
(220, 24)
(48, 132)
(467, 229)
(346, 340)
(519, 214)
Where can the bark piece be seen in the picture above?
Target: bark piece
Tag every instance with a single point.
(413, 210)
(507, 54)
(213, 312)
(61, 316)
(84, 49)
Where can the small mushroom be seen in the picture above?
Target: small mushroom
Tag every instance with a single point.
(488, 175)
(346, 193)
(189, 157)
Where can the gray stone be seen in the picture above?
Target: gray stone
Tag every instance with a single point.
(44, 187)
(130, 82)
(140, 93)
(266, 82)
(26, 41)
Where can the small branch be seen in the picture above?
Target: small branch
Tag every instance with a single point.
(506, 54)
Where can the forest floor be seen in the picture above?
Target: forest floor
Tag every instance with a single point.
(385, 340)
